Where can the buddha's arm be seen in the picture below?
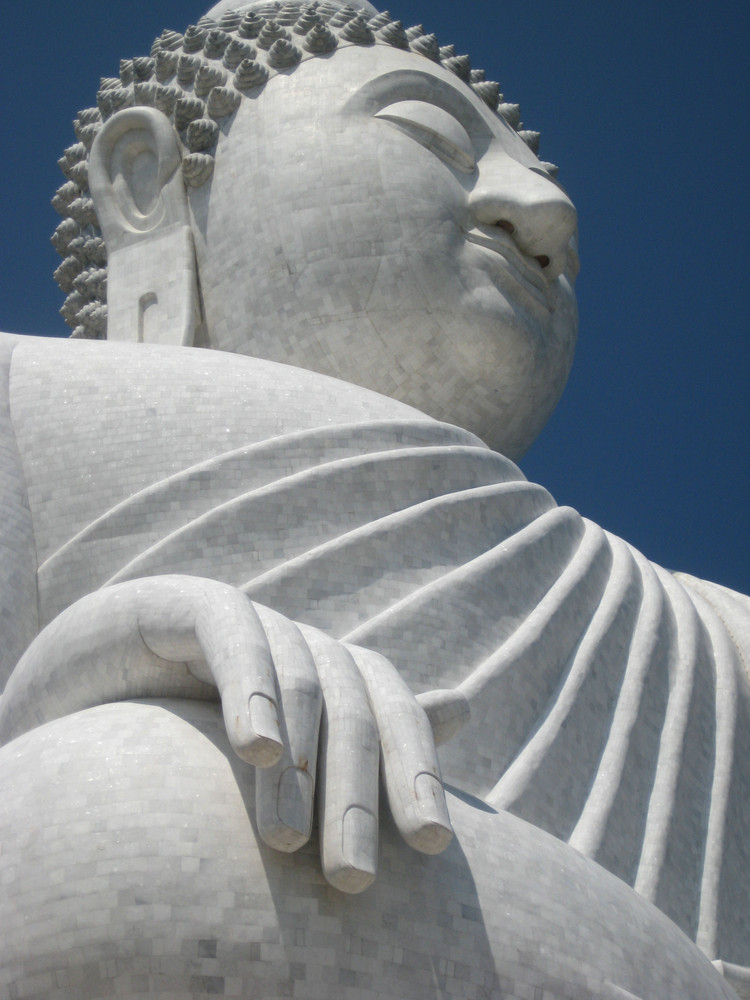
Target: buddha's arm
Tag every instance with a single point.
(179, 636)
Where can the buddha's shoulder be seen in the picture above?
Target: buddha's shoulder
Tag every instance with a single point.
(8, 342)
(183, 373)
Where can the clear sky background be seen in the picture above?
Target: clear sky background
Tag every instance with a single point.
(644, 105)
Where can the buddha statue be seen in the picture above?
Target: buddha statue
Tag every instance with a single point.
(265, 548)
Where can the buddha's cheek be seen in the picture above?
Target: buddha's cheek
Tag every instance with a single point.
(354, 217)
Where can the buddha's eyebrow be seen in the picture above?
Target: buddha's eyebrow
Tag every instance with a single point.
(412, 85)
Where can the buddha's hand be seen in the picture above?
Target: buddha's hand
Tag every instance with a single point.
(295, 702)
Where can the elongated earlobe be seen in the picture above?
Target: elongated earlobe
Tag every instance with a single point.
(140, 200)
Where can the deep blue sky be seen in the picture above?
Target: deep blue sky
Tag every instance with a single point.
(644, 106)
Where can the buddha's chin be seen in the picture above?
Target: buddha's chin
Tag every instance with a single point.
(523, 316)
(509, 375)
(478, 361)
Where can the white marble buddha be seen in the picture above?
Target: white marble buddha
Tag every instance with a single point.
(328, 195)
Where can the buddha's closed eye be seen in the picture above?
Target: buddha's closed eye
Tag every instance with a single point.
(435, 129)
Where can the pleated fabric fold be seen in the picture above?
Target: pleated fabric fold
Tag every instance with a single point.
(610, 700)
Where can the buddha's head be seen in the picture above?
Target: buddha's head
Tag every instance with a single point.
(319, 187)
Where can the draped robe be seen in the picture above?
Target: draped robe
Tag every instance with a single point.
(610, 698)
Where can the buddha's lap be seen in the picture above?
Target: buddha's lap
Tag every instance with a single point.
(140, 859)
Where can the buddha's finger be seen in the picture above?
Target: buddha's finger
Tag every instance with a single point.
(410, 765)
(284, 793)
(236, 651)
(348, 776)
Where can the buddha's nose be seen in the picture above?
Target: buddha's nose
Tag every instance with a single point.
(525, 203)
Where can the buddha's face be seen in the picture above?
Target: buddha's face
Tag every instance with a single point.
(370, 218)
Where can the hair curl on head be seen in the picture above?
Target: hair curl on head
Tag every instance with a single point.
(198, 79)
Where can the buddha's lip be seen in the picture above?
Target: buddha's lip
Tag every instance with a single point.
(527, 273)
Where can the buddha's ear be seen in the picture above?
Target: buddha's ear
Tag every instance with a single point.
(140, 200)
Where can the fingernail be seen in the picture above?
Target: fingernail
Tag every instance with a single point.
(429, 792)
(435, 836)
(294, 805)
(360, 839)
(263, 717)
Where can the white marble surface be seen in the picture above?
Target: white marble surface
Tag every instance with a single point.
(198, 906)
(609, 707)
(345, 574)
